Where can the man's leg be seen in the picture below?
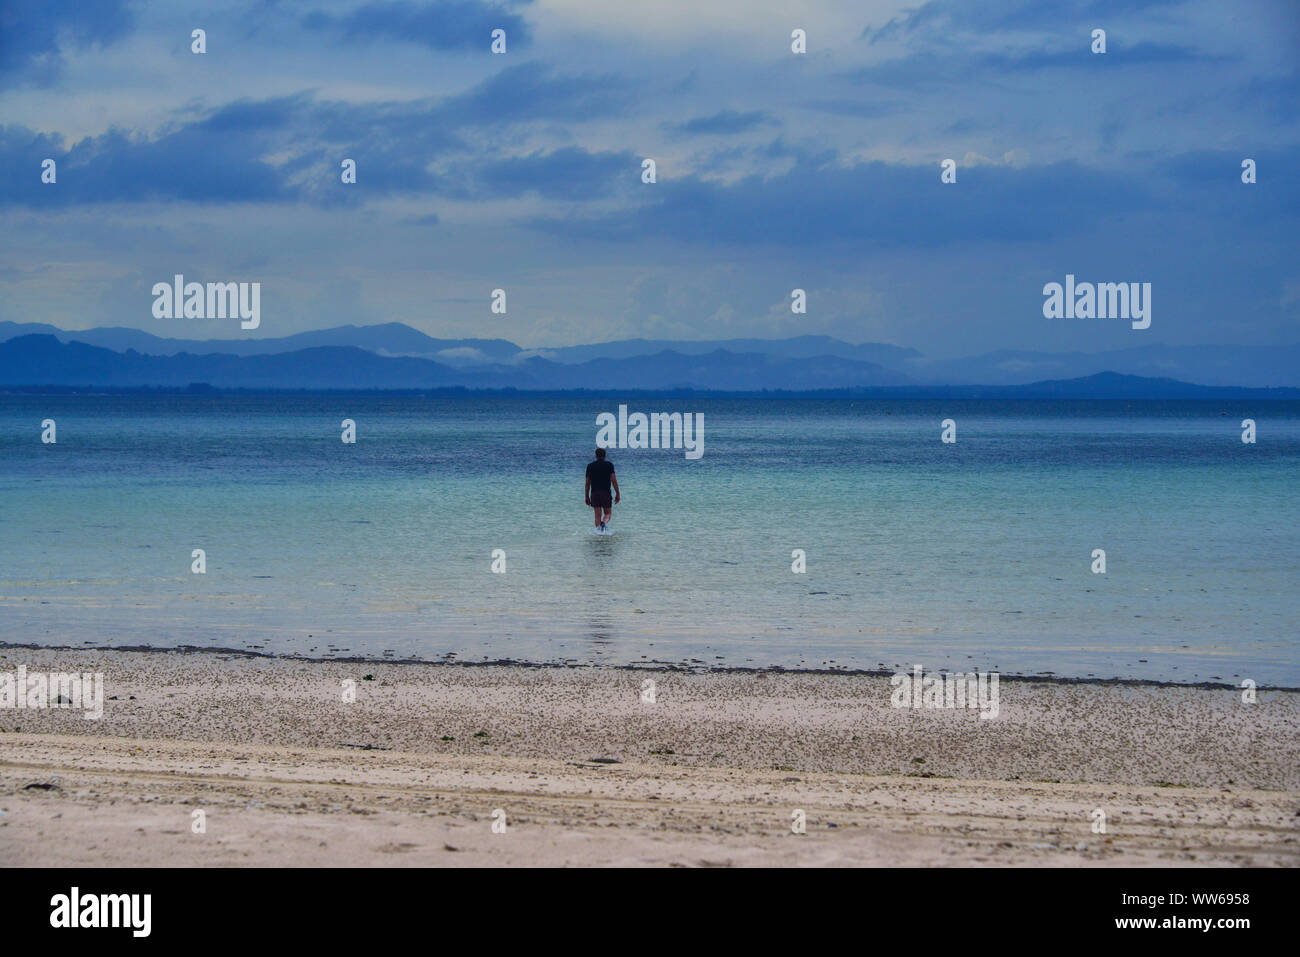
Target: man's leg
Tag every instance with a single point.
(608, 512)
(596, 509)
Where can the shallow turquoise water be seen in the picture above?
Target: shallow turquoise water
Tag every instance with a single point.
(968, 555)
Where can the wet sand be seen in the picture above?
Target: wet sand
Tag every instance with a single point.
(585, 772)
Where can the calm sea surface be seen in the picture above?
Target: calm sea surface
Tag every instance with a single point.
(973, 555)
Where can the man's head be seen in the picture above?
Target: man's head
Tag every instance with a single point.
(600, 453)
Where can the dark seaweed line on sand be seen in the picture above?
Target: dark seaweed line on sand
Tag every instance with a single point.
(656, 666)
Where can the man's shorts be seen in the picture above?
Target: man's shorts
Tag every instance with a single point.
(601, 499)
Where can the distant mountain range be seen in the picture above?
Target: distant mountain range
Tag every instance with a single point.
(34, 360)
(395, 356)
(387, 339)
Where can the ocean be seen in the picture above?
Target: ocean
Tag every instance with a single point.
(971, 555)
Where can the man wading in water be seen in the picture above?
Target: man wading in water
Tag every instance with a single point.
(600, 475)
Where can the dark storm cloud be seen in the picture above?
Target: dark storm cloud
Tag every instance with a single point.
(724, 123)
(37, 35)
(445, 25)
(221, 156)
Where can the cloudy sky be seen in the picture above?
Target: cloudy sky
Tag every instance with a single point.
(775, 170)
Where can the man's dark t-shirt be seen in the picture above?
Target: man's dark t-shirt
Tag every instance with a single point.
(598, 472)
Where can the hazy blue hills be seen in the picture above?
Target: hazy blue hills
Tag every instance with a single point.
(719, 370)
(44, 360)
(798, 347)
(395, 356)
(389, 339)
(1102, 385)
(35, 360)
(1238, 365)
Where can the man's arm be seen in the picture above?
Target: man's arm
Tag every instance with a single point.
(614, 481)
(586, 490)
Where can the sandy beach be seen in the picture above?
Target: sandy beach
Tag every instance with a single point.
(585, 772)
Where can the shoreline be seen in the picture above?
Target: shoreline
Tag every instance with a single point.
(588, 773)
(1039, 391)
(665, 667)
